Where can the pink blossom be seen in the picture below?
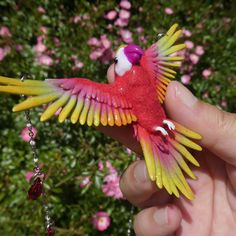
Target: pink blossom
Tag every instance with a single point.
(41, 10)
(5, 32)
(77, 19)
(194, 58)
(199, 50)
(169, 11)
(85, 182)
(129, 151)
(143, 39)
(94, 42)
(78, 65)
(85, 17)
(96, 54)
(123, 14)
(29, 175)
(19, 47)
(206, 73)
(45, 60)
(111, 15)
(106, 43)
(140, 29)
(101, 220)
(40, 48)
(185, 79)
(100, 165)
(111, 186)
(25, 134)
(110, 167)
(189, 44)
(2, 53)
(224, 104)
(121, 22)
(126, 36)
(56, 41)
(44, 29)
(187, 33)
(125, 4)
(107, 56)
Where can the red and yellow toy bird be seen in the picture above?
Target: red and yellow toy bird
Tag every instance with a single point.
(135, 98)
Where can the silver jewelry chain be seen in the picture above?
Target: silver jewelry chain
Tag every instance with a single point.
(38, 173)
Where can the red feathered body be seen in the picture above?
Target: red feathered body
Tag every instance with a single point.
(140, 90)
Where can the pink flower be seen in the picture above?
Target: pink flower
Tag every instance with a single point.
(100, 165)
(78, 65)
(199, 50)
(85, 182)
(56, 41)
(185, 79)
(94, 42)
(140, 29)
(2, 53)
(206, 73)
(194, 58)
(45, 60)
(44, 29)
(126, 36)
(40, 48)
(25, 134)
(106, 43)
(125, 4)
(224, 104)
(169, 11)
(121, 22)
(101, 220)
(5, 32)
(29, 175)
(96, 54)
(111, 15)
(111, 186)
(187, 33)
(123, 14)
(129, 151)
(41, 10)
(189, 44)
(19, 47)
(143, 39)
(77, 19)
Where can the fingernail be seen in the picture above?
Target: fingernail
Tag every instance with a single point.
(185, 95)
(140, 172)
(160, 216)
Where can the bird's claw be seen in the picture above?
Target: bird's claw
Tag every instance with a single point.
(170, 124)
(162, 130)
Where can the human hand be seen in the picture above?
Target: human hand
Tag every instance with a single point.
(213, 211)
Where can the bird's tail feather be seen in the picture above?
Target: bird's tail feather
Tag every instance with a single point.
(165, 158)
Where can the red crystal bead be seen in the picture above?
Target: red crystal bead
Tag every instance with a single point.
(50, 231)
(36, 189)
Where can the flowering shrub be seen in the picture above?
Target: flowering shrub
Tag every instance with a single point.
(48, 39)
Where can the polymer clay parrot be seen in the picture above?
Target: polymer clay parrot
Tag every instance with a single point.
(135, 98)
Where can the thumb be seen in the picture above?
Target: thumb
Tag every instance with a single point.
(218, 128)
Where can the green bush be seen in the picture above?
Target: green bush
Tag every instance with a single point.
(69, 154)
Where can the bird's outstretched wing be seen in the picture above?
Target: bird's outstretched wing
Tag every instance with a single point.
(159, 62)
(79, 99)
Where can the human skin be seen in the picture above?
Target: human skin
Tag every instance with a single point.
(213, 211)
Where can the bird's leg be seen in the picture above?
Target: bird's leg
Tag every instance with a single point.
(170, 124)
